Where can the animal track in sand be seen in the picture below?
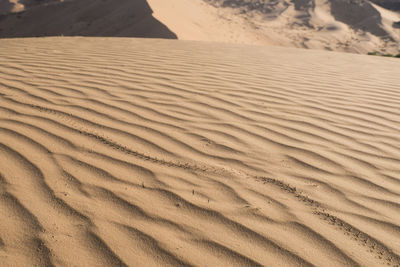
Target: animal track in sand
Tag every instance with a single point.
(99, 136)
(122, 133)
(374, 246)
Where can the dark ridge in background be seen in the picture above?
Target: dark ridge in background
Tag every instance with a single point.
(389, 4)
(367, 16)
(107, 18)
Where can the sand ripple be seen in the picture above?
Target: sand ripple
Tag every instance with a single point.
(123, 152)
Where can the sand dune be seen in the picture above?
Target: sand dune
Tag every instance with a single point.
(389, 4)
(120, 152)
(338, 25)
(122, 18)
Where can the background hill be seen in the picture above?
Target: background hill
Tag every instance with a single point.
(344, 25)
(357, 26)
(123, 18)
(389, 4)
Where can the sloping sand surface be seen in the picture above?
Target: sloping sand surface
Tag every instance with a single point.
(122, 18)
(119, 152)
(336, 25)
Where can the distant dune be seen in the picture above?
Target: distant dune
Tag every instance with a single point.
(340, 25)
(358, 26)
(389, 4)
(139, 152)
(123, 18)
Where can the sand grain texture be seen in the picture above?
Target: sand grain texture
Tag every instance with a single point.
(335, 25)
(118, 152)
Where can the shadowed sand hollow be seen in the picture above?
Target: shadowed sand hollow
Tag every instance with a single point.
(118, 152)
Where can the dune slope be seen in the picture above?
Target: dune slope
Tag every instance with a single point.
(122, 18)
(356, 26)
(117, 152)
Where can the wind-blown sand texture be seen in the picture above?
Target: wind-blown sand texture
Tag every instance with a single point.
(357, 26)
(119, 152)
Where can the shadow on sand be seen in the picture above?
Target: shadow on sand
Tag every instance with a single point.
(107, 18)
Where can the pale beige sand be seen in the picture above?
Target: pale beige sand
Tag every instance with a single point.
(169, 153)
(337, 25)
(195, 20)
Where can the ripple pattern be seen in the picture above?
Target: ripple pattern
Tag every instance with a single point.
(137, 152)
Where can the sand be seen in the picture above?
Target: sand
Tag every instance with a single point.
(143, 152)
(334, 25)
(121, 18)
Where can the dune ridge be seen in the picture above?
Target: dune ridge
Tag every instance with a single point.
(129, 152)
(336, 25)
(362, 26)
(122, 18)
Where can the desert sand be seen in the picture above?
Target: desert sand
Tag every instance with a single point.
(356, 26)
(139, 152)
(121, 18)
